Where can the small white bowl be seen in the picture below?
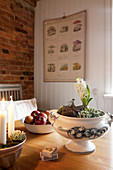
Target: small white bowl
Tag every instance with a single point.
(40, 129)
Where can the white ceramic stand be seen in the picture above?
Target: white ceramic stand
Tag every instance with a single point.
(80, 147)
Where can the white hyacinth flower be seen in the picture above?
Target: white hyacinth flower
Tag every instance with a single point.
(83, 91)
(80, 87)
(81, 81)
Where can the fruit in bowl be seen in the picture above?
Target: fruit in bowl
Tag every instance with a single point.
(29, 119)
(38, 122)
(37, 118)
(47, 112)
(80, 123)
(35, 113)
(42, 115)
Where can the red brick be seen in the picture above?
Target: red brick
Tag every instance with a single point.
(28, 29)
(5, 7)
(18, 65)
(17, 72)
(4, 18)
(6, 2)
(7, 35)
(1, 67)
(2, 12)
(3, 28)
(7, 25)
(19, 78)
(19, 25)
(2, 45)
(31, 2)
(7, 57)
(20, 20)
(7, 72)
(25, 68)
(25, 15)
(6, 78)
(13, 43)
(11, 67)
(13, 52)
(20, 30)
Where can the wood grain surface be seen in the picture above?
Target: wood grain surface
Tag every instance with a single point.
(100, 159)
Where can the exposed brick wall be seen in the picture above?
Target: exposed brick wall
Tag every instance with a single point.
(17, 44)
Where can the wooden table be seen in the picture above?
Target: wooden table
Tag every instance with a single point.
(101, 159)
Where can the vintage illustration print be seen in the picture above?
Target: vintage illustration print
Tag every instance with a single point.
(64, 48)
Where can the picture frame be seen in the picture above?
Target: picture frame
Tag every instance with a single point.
(64, 48)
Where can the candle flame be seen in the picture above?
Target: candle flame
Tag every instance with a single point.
(3, 99)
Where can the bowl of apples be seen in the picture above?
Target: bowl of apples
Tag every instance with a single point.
(38, 122)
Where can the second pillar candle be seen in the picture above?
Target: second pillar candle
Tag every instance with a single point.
(10, 118)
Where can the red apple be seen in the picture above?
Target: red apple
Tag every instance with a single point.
(40, 120)
(35, 113)
(29, 120)
(47, 112)
(43, 115)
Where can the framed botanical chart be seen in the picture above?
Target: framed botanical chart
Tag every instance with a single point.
(64, 48)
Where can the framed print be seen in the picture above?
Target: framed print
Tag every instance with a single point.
(64, 48)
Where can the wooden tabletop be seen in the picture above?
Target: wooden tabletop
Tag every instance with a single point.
(100, 159)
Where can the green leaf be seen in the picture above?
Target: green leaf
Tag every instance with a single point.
(84, 101)
(89, 100)
(88, 91)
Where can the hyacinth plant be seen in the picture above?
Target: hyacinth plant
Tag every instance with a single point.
(82, 111)
(83, 91)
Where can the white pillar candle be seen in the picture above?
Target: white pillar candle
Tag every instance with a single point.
(3, 124)
(10, 118)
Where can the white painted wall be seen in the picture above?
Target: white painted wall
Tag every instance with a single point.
(53, 95)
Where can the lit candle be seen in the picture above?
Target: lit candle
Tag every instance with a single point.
(10, 118)
(3, 124)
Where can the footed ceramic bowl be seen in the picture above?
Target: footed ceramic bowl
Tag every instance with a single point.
(8, 156)
(39, 129)
(80, 131)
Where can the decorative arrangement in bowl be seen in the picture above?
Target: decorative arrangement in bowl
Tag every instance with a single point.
(38, 122)
(12, 149)
(81, 124)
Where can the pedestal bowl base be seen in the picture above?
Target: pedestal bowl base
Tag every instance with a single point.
(84, 147)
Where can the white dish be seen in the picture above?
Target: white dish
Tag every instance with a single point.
(40, 129)
(80, 131)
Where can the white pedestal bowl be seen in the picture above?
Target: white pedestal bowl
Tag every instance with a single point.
(80, 131)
